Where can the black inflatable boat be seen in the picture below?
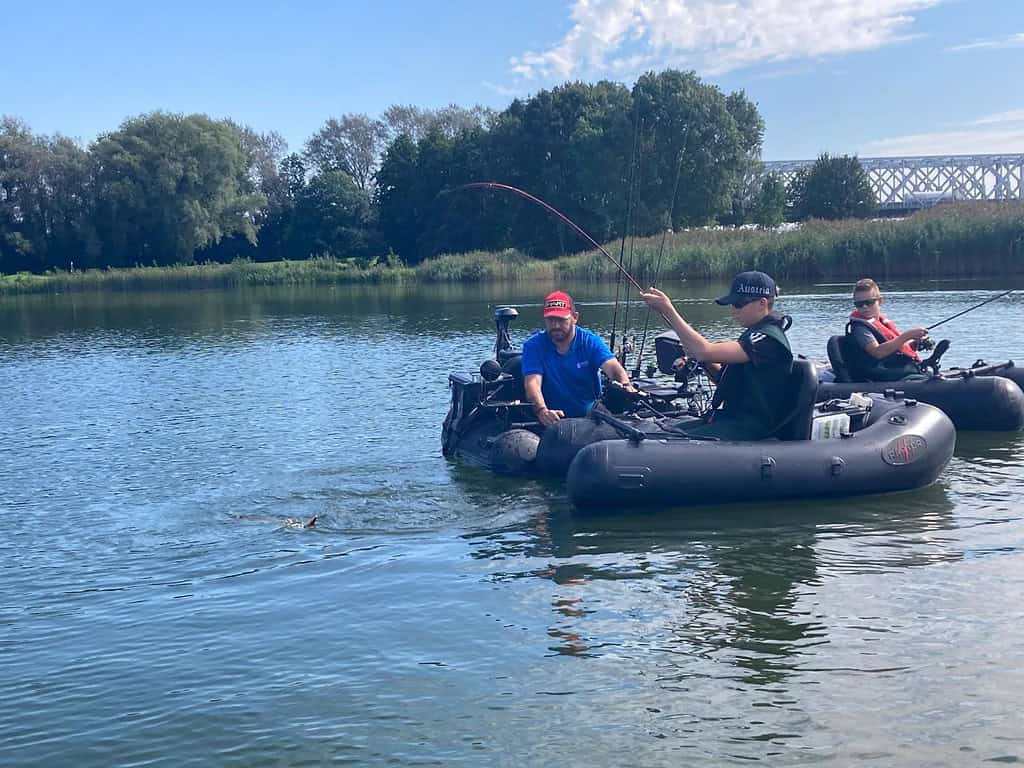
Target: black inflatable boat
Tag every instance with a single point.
(893, 445)
(632, 452)
(982, 397)
(490, 424)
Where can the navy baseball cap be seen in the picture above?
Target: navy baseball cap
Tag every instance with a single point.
(747, 286)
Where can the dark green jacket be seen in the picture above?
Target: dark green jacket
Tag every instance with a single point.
(753, 398)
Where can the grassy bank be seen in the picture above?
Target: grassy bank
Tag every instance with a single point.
(963, 240)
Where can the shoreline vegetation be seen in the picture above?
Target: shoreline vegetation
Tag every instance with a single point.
(965, 240)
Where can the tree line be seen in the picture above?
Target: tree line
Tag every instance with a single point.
(670, 152)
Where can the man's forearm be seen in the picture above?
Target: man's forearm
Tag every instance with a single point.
(619, 373)
(532, 389)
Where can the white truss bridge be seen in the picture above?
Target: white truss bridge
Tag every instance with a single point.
(909, 183)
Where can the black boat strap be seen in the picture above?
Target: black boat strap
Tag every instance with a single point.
(631, 432)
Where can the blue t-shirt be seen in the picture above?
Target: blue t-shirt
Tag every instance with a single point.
(572, 382)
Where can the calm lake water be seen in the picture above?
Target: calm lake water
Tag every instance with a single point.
(156, 609)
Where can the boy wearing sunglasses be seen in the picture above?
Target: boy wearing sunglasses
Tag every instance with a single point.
(886, 354)
(754, 387)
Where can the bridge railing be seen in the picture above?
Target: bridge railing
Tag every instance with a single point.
(906, 183)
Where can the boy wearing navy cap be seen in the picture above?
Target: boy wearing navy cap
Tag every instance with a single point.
(754, 386)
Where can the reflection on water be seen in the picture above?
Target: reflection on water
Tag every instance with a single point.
(736, 573)
(159, 603)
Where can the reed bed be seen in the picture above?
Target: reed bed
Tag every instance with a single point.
(964, 240)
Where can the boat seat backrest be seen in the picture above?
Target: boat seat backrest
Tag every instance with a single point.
(804, 388)
(837, 357)
(512, 364)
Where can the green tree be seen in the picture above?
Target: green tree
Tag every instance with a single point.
(571, 146)
(332, 218)
(836, 188)
(744, 202)
(749, 123)
(417, 122)
(398, 195)
(795, 195)
(280, 235)
(68, 180)
(421, 209)
(751, 131)
(457, 220)
(690, 125)
(169, 185)
(45, 201)
(22, 232)
(351, 143)
(771, 202)
(263, 151)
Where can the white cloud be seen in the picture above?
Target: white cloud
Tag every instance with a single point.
(1002, 133)
(1010, 41)
(501, 90)
(619, 38)
(1013, 116)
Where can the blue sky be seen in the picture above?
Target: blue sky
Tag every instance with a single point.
(875, 77)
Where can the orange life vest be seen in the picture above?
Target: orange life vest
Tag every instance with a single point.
(886, 330)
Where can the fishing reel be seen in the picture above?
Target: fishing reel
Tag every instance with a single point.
(628, 346)
(685, 369)
(698, 386)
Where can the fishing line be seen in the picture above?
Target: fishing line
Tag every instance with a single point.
(971, 309)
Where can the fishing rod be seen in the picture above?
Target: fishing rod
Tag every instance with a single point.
(657, 268)
(625, 230)
(494, 185)
(629, 342)
(647, 318)
(971, 309)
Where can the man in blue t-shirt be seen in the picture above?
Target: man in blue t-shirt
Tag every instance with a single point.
(561, 364)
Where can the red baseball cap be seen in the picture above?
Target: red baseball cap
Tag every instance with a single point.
(558, 304)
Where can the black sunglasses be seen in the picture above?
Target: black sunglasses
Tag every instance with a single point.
(865, 303)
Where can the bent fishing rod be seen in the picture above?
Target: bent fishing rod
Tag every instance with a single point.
(657, 268)
(971, 309)
(559, 215)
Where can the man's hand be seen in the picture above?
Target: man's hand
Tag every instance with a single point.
(914, 334)
(547, 417)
